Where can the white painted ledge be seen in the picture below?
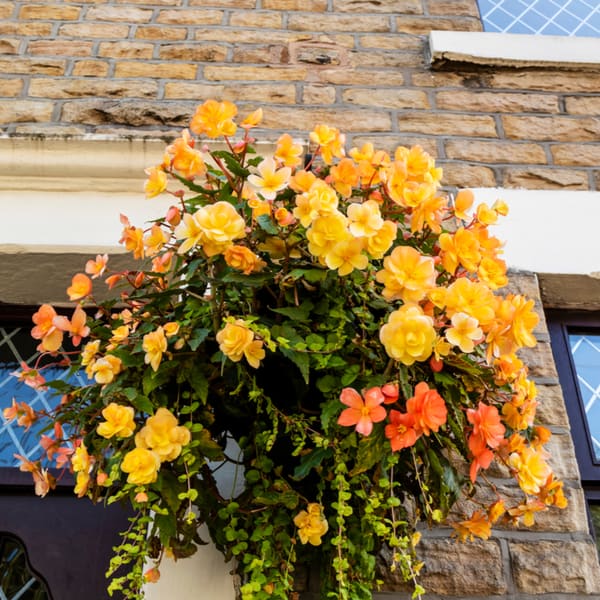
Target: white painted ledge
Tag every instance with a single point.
(510, 49)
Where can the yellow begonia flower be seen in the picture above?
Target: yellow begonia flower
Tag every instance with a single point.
(311, 524)
(462, 203)
(531, 469)
(345, 176)
(492, 271)
(364, 218)
(142, 465)
(470, 297)
(465, 331)
(171, 329)
(89, 351)
(119, 421)
(156, 183)
(236, 340)
(105, 369)
(155, 240)
(154, 344)
(325, 232)
(268, 179)
(163, 435)
(81, 463)
(330, 142)
(379, 244)
(220, 224)
(287, 152)
(409, 335)
(253, 119)
(407, 275)
(347, 256)
(214, 119)
(185, 159)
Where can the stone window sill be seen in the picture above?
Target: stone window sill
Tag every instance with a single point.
(513, 50)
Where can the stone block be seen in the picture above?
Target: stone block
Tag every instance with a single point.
(47, 12)
(257, 18)
(549, 178)
(333, 23)
(190, 17)
(29, 66)
(247, 73)
(152, 32)
(303, 5)
(454, 569)
(462, 175)
(551, 406)
(462, 8)
(94, 30)
(544, 80)
(59, 48)
(565, 129)
(433, 123)
(423, 25)
(11, 87)
(172, 70)
(369, 77)
(81, 88)
(395, 99)
(119, 14)
(26, 28)
(9, 46)
(484, 151)
(90, 68)
(552, 566)
(496, 102)
(391, 42)
(583, 105)
(193, 52)
(318, 94)
(20, 111)
(581, 155)
(395, 7)
(125, 50)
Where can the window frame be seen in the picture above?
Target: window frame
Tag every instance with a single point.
(560, 324)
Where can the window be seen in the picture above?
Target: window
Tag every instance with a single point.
(575, 339)
(56, 548)
(546, 17)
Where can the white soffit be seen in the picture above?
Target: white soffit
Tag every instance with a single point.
(511, 49)
(548, 231)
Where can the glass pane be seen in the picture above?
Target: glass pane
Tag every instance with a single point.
(547, 17)
(17, 581)
(16, 346)
(586, 355)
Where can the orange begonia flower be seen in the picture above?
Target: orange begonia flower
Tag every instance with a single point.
(362, 413)
(157, 181)
(45, 329)
(330, 142)
(253, 119)
(462, 203)
(477, 526)
(287, 152)
(486, 424)
(345, 176)
(401, 430)
(243, 259)
(81, 286)
(427, 408)
(76, 327)
(96, 268)
(215, 119)
(30, 377)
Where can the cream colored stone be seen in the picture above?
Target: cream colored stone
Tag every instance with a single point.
(495, 151)
(549, 178)
(448, 124)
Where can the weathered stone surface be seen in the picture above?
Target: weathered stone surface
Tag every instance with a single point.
(190, 17)
(386, 98)
(462, 175)
(318, 94)
(453, 569)
(60, 48)
(246, 73)
(29, 28)
(125, 50)
(495, 151)
(136, 114)
(543, 80)
(11, 87)
(396, 60)
(8, 46)
(20, 111)
(397, 7)
(90, 68)
(95, 30)
(27, 66)
(262, 19)
(567, 129)
(583, 105)
(423, 25)
(303, 5)
(270, 54)
(172, 70)
(49, 11)
(551, 406)
(546, 178)
(563, 567)
(390, 142)
(584, 155)
(304, 119)
(448, 124)
(496, 102)
(562, 456)
(81, 88)
(194, 52)
(334, 23)
(391, 42)
(463, 8)
(151, 32)
(124, 14)
(276, 93)
(387, 79)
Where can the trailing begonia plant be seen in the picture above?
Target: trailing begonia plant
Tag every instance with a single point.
(328, 325)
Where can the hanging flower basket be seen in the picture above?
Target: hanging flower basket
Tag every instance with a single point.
(327, 327)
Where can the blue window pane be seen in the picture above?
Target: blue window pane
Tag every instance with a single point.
(548, 17)
(586, 355)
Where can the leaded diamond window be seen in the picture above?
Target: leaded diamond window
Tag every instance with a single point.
(17, 580)
(546, 17)
(586, 355)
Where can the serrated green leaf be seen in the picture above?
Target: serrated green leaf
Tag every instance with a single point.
(266, 224)
(300, 359)
(296, 313)
(371, 449)
(197, 337)
(310, 461)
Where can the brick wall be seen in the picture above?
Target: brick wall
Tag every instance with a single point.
(131, 67)
(138, 68)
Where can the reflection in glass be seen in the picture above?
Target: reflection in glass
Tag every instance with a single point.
(17, 581)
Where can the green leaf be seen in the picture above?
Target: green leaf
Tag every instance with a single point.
(300, 359)
(208, 447)
(167, 528)
(296, 313)
(311, 461)
(266, 224)
(328, 383)
(370, 451)
(143, 404)
(232, 163)
(329, 410)
(198, 382)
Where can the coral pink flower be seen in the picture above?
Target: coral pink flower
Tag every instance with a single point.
(95, 268)
(362, 413)
(428, 409)
(81, 286)
(401, 431)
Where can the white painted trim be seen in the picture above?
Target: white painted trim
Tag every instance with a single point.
(511, 49)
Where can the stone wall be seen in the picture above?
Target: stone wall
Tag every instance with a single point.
(135, 68)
